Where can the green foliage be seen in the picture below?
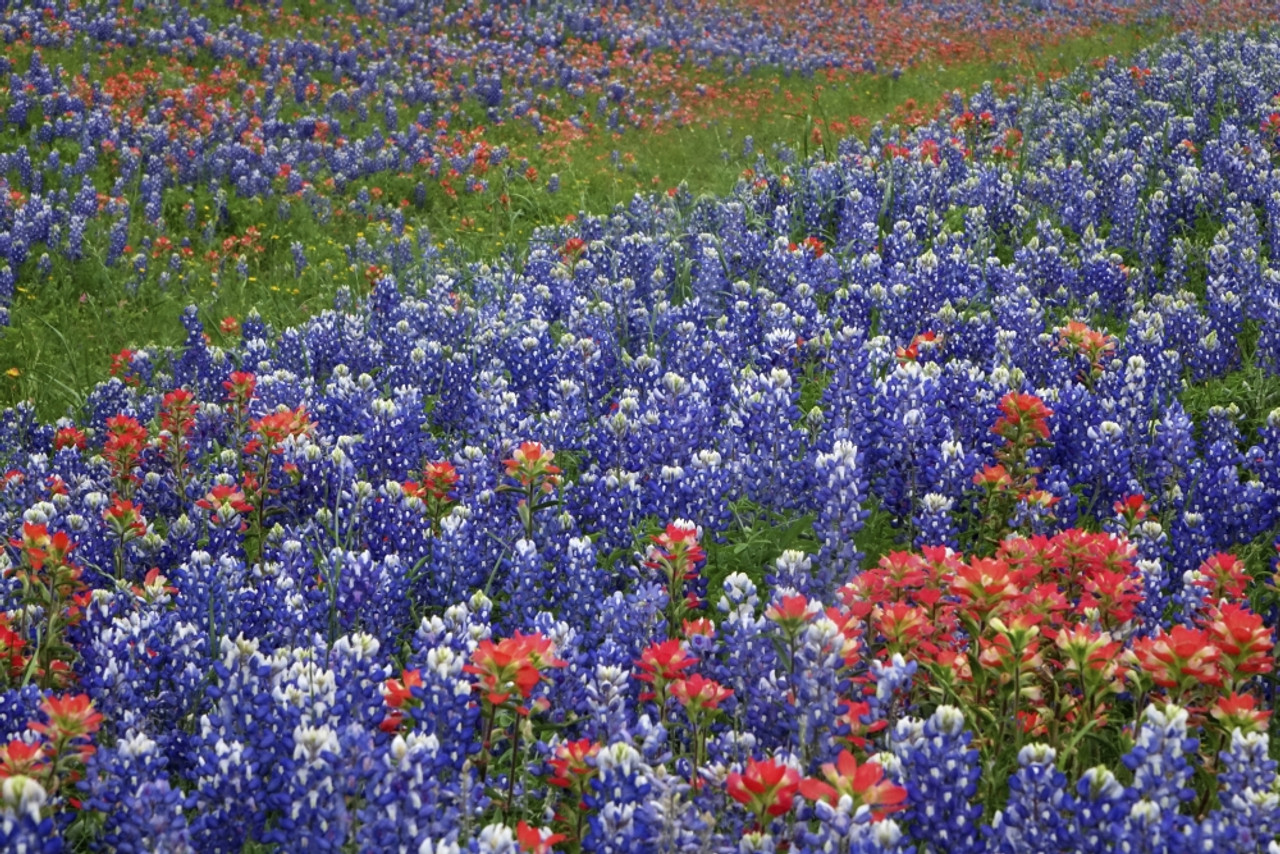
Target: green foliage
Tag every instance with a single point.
(1252, 391)
(754, 540)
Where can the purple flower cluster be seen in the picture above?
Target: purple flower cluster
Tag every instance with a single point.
(317, 112)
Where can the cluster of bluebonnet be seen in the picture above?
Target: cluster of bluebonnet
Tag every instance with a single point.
(135, 159)
(833, 337)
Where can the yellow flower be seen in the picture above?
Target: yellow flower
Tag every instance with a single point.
(13, 372)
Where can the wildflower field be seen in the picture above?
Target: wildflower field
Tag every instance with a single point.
(529, 426)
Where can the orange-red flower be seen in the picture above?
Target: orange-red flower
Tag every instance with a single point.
(1240, 711)
(1024, 419)
(984, 585)
(439, 479)
(21, 759)
(1244, 641)
(662, 663)
(791, 613)
(765, 786)
(535, 840)
(240, 388)
(69, 717)
(865, 784)
(1183, 658)
(570, 767)
(227, 503)
(396, 692)
(125, 519)
(510, 666)
(531, 465)
(69, 437)
(126, 439)
(1223, 576)
(854, 730)
(279, 426)
(12, 660)
(699, 694)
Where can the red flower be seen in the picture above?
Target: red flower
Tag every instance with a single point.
(153, 585)
(69, 718)
(1094, 346)
(439, 480)
(1244, 642)
(530, 465)
(178, 412)
(814, 245)
(1024, 419)
(240, 388)
(661, 664)
(21, 759)
(573, 247)
(791, 613)
(766, 787)
(679, 543)
(69, 437)
(1240, 711)
(39, 548)
(1114, 594)
(984, 585)
(125, 440)
(699, 694)
(279, 426)
(511, 666)
(570, 766)
(993, 477)
(904, 627)
(851, 717)
(12, 660)
(699, 627)
(125, 519)
(226, 502)
(535, 840)
(1183, 658)
(912, 351)
(396, 692)
(122, 366)
(1132, 509)
(865, 784)
(1224, 577)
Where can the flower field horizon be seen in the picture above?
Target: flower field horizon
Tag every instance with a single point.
(680, 426)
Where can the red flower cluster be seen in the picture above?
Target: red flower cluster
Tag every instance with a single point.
(1046, 626)
(530, 465)
(126, 439)
(511, 666)
(64, 744)
(1024, 419)
(277, 427)
(227, 503)
(660, 664)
